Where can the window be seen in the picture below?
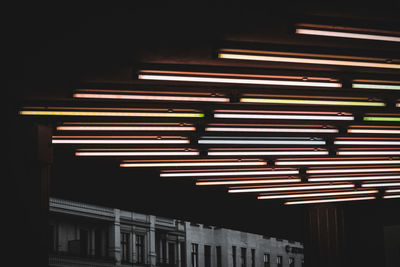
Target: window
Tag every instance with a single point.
(125, 247)
(243, 257)
(233, 256)
(219, 256)
(195, 255)
(98, 243)
(291, 262)
(267, 261)
(84, 242)
(207, 256)
(279, 261)
(253, 257)
(171, 253)
(139, 248)
(52, 238)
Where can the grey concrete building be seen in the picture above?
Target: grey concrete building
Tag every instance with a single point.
(89, 235)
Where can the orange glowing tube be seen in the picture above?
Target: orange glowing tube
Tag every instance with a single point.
(126, 127)
(136, 152)
(319, 194)
(304, 186)
(327, 200)
(120, 140)
(246, 181)
(193, 163)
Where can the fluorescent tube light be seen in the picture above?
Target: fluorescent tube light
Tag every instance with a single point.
(267, 152)
(311, 102)
(348, 32)
(335, 161)
(211, 140)
(126, 127)
(148, 95)
(247, 181)
(307, 58)
(391, 196)
(289, 188)
(136, 152)
(272, 128)
(355, 170)
(120, 140)
(327, 200)
(281, 115)
(237, 172)
(353, 178)
(318, 194)
(193, 163)
(380, 184)
(235, 78)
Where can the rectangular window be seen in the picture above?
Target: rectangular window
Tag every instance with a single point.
(139, 248)
(233, 256)
(195, 255)
(207, 256)
(253, 257)
(267, 261)
(291, 262)
(98, 243)
(125, 238)
(219, 256)
(171, 253)
(243, 257)
(84, 242)
(279, 261)
(52, 238)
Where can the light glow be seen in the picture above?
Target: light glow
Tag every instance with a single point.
(328, 200)
(335, 161)
(260, 141)
(319, 194)
(391, 196)
(110, 114)
(265, 128)
(247, 181)
(290, 188)
(281, 115)
(193, 163)
(380, 184)
(334, 170)
(120, 140)
(126, 127)
(229, 173)
(273, 56)
(136, 152)
(235, 78)
(311, 102)
(267, 152)
(376, 86)
(347, 32)
(353, 178)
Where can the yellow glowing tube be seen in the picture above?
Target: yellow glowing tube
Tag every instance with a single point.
(110, 114)
(327, 200)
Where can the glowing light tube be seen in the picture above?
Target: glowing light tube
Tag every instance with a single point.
(305, 58)
(355, 170)
(143, 96)
(119, 140)
(353, 178)
(347, 32)
(311, 102)
(267, 152)
(277, 128)
(374, 130)
(211, 140)
(380, 184)
(319, 194)
(381, 118)
(327, 200)
(126, 127)
(252, 181)
(281, 115)
(135, 152)
(111, 114)
(335, 161)
(235, 78)
(392, 190)
(288, 188)
(376, 86)
(366, 142)
(366, 152)
(237, 172)
(193, 163)
(391, 196)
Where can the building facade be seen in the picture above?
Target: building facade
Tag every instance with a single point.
(89, 235)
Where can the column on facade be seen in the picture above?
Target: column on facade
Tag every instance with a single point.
(152, 242)
(114, 249)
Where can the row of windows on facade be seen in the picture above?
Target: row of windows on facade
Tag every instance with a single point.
(82, 247)
(96, 244)
(243, 257)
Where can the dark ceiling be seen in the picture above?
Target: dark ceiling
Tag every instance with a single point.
(53, 49)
